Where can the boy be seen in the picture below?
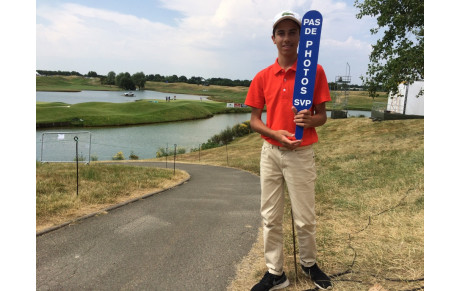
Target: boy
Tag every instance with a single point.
(284, 159)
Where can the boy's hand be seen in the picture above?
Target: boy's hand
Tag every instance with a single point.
(302, 118)
(288, 140)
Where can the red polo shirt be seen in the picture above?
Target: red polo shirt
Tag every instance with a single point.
(274, 87)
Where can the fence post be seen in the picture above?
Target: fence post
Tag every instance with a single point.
(226, 149)
(76, 157)
(167, 154)
(175, 146)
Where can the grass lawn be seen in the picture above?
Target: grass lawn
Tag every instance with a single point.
(369, 201)
(130, 113)
(369, 204)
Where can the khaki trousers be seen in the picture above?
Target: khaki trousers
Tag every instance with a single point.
(297, 169)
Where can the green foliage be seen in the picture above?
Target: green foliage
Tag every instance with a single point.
(111, 78)
(92, 74)
(139, 80)
(58, 73)
(399, 55)
(241, 129)
(80, 158)
(118, 156)
(132, 156)
(226, 136)
(162, 152)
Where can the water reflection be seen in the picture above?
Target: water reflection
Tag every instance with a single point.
(108, 96)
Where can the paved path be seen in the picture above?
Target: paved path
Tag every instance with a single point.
(188, 238)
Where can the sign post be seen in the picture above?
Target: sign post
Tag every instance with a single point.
(307, 60)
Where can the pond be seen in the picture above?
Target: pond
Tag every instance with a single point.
(108, 96)
(143, 141)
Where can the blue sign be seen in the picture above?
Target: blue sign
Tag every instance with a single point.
(307, 59)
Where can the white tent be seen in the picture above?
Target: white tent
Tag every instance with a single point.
(409, 99)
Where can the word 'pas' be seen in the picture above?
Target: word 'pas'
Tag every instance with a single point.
(315, 22)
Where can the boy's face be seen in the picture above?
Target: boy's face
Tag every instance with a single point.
(286, 37)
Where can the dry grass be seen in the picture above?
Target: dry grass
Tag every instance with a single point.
(370, 205)
(100, 186)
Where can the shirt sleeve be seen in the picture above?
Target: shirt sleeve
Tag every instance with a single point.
(255, 97)
(321, 93)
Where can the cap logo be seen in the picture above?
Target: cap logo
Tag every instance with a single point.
(287, 14)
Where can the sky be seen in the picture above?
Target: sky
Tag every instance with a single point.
(206, 38)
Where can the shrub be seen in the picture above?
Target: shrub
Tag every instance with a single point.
(132, 156)
(118, 156)
(227, 135)
(162, 152)
(80, 158)
(170, 152)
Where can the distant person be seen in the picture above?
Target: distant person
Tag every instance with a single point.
(284, 159)
(174, 97)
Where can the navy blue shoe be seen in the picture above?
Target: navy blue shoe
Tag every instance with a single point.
(271, 282)
(321, 280)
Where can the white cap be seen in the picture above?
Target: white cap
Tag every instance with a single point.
(287, 14)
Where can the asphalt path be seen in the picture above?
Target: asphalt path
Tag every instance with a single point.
(190, 237)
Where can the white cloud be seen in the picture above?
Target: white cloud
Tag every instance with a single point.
(350, 44)
(227, 38)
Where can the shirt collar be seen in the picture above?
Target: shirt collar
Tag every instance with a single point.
(277, 68)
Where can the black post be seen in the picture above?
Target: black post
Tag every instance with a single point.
(175, 146)
(167, 154)
(199, 152)
(76, 157)
(226, 149)
(293, 241)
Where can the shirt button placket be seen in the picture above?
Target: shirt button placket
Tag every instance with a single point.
(284, 82)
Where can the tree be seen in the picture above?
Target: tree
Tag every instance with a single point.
(398, 56)
(172, 79)
(139, 80)
(120, 76)
(111, 78)
(127, 83)
(195, 80)
(124, 81)
(92, 74)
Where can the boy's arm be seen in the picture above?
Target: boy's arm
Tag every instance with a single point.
(280, 135)
(305, 119)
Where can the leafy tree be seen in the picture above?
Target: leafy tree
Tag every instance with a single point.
(172, 79)
(92, 74)
(156, 78)
(195, 80)
(139, 80)
(398, 55)
(111, 78)
(121, 76)
(127, 83)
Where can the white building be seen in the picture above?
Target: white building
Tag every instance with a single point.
(409, 100)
